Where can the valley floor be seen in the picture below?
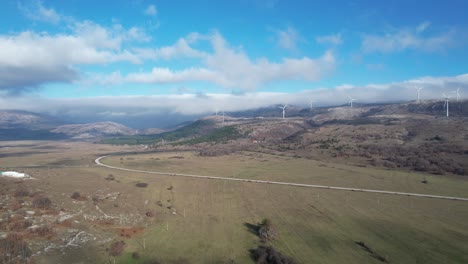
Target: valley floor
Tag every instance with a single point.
(183, 220)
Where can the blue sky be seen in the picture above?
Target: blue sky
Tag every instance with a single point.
(168, 50)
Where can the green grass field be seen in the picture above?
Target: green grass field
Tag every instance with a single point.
(259, 166)
(315, 226)
(210, 223)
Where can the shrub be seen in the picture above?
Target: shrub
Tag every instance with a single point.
(268, 254)
(117, 248)
(150, 214)
(76, 196)
(110, 177)
(21, 193)
(43, 230)
(41, 202)
(135, 255)
(141, 184)
(19, 225)
(266, 230)
(14, 245)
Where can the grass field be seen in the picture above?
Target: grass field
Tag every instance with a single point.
(211, 217)
(260, 166)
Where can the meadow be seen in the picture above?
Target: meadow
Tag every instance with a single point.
(209, 221)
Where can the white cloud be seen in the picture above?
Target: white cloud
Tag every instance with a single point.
(39, 58)
(288, 38)
(231, 68)
(151, 10)
(180, 49)
(408, 38)
(423, 26)
(29, 49)
(165, 75)
(88, 43)
(35, 10)
(334, 39)
(200, 104)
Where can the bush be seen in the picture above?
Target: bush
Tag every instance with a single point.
(21, 193)
(19, 225)
(14, 245)
(150, 214)
(42, 230)
(110, 177)
(266, 231)
(135, 255)
(267, 255)
(41, 203)
(76, 196)
(117, 248)
(141, 184)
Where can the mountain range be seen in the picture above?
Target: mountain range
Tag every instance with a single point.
(24, 125)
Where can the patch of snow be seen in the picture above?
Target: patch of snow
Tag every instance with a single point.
(14, 174)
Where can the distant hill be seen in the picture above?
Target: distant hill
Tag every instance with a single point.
(407, 136)
(21, 125)
(194, 129)
(275, 111)
(428, 107)
(266, 123)
(24, 125)
(94, 130)
(25, 119)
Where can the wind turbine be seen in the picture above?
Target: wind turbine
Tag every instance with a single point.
(419, 92)
(351, 101)
(284, 109)
(311, 104)
(446, 103)
(223, 116)
(457, 92)
(216, 111)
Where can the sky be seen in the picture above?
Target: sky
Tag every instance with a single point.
(115, 60)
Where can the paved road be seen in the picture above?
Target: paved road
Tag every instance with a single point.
(98, 162)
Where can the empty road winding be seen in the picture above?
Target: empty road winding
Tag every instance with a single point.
(98, 162)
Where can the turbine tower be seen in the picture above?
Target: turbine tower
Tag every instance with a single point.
(419, 92)
(223, 116)
(351, 101)
(457, 92)
(284, 109)
(446, 104)
(311, 104)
